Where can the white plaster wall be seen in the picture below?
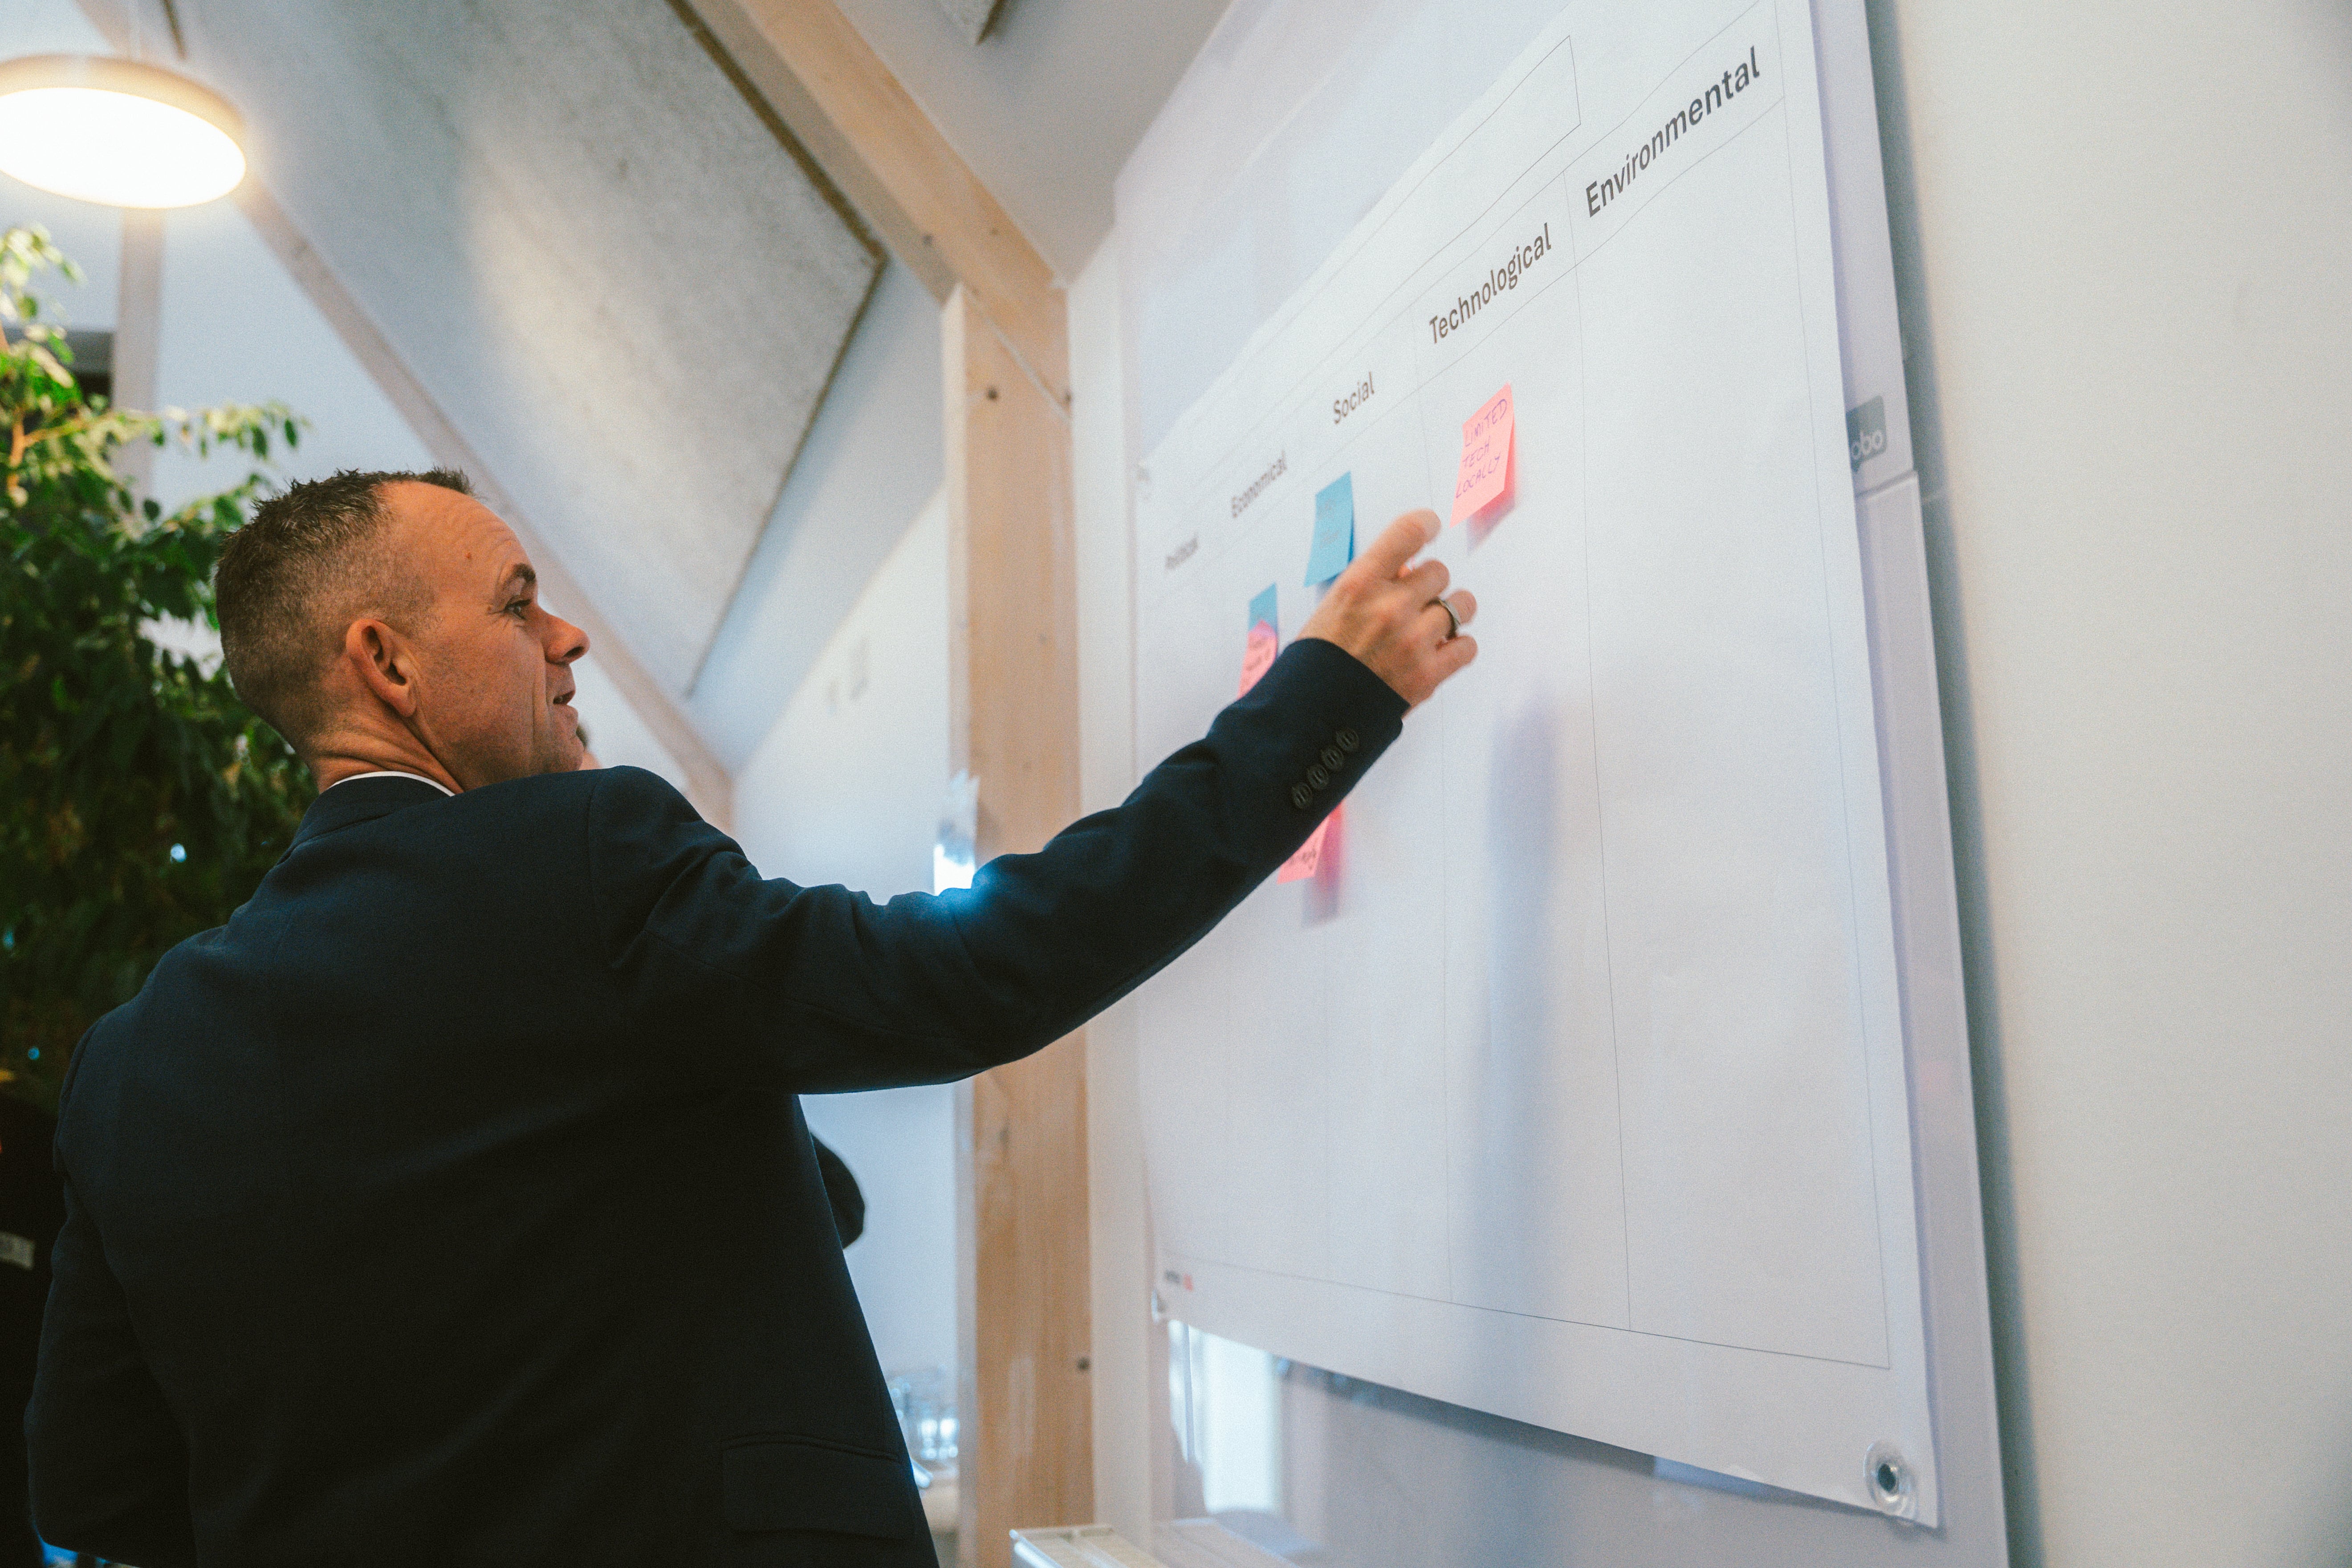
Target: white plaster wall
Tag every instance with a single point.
(2131, 337)
(847, 787)
(1049, 107)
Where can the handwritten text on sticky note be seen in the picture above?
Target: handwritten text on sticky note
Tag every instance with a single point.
(1265, 639)
(1486, 457)
(1308, 860)
(1335, 531)
(1257, 657)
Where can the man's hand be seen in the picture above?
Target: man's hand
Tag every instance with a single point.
(1385, 611)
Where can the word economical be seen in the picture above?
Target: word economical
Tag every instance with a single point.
(1280, 467)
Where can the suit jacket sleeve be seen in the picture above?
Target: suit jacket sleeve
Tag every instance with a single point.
(822, 989)
(110, 1466)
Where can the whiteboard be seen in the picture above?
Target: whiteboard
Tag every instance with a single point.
(1435, 1229)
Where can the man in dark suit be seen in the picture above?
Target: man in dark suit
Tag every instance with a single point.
(842, 1194)
(453, 1204)
(32, 1207)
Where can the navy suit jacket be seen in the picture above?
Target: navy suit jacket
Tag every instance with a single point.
(452, 1203)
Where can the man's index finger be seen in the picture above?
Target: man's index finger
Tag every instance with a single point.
(1399, 542)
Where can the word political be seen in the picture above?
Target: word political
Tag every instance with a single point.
(1499, 280)
(1362, 394)
(1600, 193)
(1257, 486)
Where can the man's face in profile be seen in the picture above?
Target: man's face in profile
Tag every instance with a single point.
(494, 693)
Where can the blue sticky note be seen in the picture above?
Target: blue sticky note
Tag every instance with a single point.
(1335, 531)
(1261, 610)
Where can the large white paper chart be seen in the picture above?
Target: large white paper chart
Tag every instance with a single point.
(1571, 1085)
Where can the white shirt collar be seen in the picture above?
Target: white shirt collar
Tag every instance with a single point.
(391, 773)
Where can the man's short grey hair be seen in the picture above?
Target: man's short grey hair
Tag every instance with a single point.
(312, 560)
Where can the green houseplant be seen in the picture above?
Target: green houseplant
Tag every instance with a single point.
(140, 802)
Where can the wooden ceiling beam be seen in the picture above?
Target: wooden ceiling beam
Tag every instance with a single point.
(857, 122)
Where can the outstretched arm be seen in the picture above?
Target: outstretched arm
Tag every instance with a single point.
(819, 988)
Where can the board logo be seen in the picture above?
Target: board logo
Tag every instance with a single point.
(1865, 432)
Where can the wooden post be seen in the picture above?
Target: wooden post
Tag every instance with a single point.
(1023, 1297)
(1026, 1410)
(804, 64)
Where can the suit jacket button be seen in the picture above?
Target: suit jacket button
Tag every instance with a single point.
(1301, 797)
(1319, 775)
(1334, 758)
(1348, 741)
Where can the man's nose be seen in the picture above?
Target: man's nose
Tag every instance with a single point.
(565, 642)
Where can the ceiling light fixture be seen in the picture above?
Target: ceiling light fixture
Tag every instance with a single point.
(119, 131)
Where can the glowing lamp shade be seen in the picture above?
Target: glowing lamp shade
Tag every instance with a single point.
(118, 132)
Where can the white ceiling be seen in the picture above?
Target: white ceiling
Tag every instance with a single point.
(1047, 106)
(603, 267)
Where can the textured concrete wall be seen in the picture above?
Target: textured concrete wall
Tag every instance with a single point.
(872, 460)
(604, 269)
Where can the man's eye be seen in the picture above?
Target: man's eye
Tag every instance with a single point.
(518, 607)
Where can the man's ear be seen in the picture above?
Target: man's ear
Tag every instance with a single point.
(384, 664)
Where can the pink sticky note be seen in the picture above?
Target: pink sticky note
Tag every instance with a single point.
(1308, 860)
(1258, 656)
(1486, 457)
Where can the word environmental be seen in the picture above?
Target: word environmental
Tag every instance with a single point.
(1600, 192)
